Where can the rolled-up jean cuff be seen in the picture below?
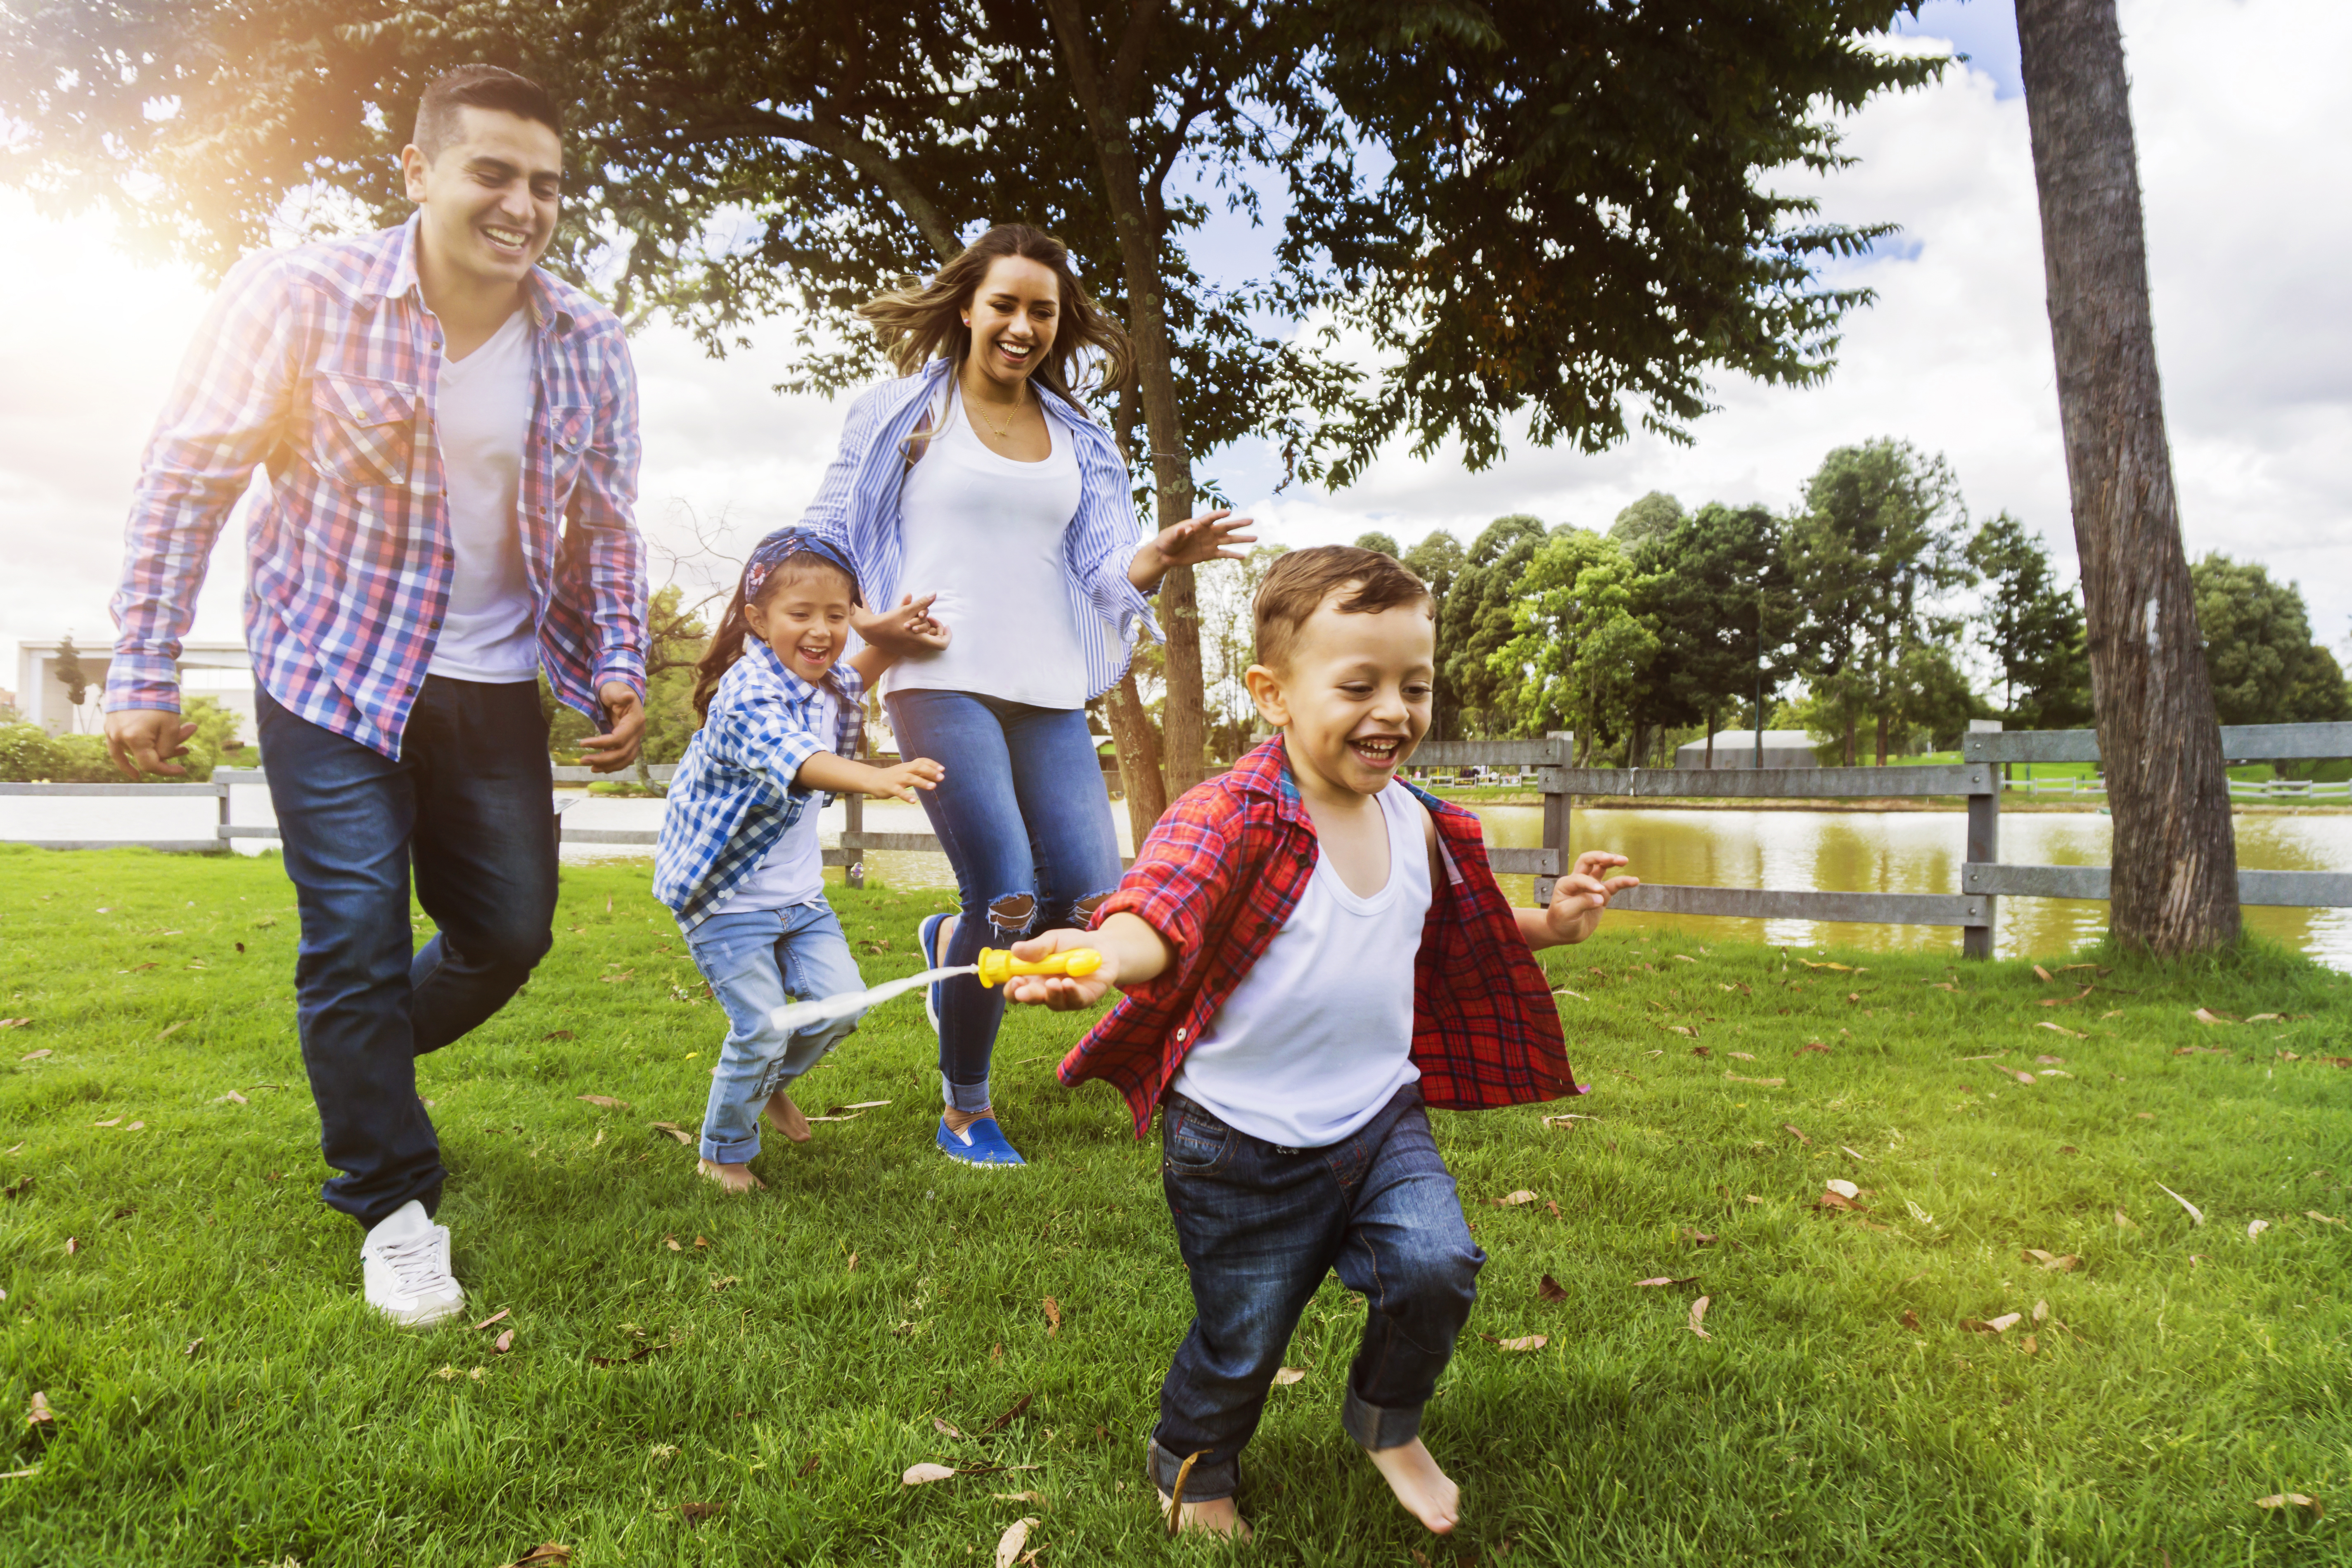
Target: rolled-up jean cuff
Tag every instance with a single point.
(1210, 1481)
(964, 1097)
(1373, 1428)
(736, 1153)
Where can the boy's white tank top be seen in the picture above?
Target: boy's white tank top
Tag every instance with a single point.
(1319, 1034)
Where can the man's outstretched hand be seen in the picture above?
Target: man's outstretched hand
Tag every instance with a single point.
(625, 716)
(145, 740)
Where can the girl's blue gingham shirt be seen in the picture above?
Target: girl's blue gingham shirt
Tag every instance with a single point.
(733, 794)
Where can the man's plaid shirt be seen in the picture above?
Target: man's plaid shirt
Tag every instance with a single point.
(1219, 875)
(322, 364)
(733, 794)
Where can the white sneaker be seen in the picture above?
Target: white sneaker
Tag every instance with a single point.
(405, 1261)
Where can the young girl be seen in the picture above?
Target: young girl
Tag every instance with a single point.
(739, 862)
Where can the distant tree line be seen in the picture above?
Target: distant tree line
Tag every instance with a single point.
(1848, 615)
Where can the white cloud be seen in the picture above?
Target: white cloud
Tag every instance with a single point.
(2249, 215)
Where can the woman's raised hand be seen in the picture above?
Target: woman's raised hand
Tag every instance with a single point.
(1208, 537)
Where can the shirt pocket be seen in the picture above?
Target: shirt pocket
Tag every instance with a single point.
(363, 433)
(568, 430)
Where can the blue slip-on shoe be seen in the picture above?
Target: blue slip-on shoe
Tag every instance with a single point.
(927, 937)
(981, 1143)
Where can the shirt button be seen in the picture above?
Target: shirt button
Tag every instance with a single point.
(1179, 1034)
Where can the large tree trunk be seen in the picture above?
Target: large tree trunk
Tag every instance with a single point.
(2175, 888)
(1106, 96)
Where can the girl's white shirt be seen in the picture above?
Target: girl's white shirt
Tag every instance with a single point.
(793, 871)
(1319, 1034)
(986, 533)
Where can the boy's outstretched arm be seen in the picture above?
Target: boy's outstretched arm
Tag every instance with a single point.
(1577, 900)
(1132, 953)
(911, 621)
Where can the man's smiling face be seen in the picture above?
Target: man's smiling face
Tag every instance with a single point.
(490, 197)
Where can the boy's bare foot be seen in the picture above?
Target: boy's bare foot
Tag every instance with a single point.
(1427, 1492)
(734, 1178)
(1218, 1518)
(786, 1118)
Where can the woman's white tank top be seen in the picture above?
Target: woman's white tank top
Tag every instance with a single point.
(1319, 1034)
(985, 532)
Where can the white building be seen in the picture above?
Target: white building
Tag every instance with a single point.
(220, 670)
(1737, 749)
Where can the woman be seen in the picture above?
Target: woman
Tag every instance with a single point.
(977, 478)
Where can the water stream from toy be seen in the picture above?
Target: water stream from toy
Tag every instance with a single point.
(995, 966)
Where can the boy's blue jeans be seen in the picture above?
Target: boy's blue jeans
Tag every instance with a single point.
(753, 959)
(1259, 1227)
(1025, 821)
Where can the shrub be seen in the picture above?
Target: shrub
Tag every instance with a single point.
(27, 753)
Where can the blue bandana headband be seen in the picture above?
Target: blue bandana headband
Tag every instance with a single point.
(780, 546)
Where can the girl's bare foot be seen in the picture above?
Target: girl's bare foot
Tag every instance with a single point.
(1426, 1492)
(786, 1118)
(1218, 1518)
(734, 1178)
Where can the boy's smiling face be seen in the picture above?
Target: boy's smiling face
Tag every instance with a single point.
(1353, 695)
(804, 617)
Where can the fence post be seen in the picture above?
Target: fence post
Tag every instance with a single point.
(1984, 846)
(221, 832)
(1556, 808)
(853, 822)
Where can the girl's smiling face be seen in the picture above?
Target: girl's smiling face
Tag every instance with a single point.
(803, 614)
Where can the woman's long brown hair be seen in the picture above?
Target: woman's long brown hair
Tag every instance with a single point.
(924, 321)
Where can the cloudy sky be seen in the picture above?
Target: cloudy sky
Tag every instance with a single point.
(2250, 219)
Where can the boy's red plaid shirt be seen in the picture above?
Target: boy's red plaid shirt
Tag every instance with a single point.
(1223, 870)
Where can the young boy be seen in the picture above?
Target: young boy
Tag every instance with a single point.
(1313, 951)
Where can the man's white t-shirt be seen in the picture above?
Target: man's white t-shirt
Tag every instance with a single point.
(986, 532)
(793, 871)
(482, 419)
(1319, 1034)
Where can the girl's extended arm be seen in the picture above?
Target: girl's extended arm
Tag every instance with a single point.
(837, 774)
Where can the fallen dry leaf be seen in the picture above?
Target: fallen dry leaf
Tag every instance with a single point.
(1567, 1119)
(1008, 1544)
(38, 1413)
(1550, 1290)
(620, 979)
(1910, 1320)
(503, 1343)
(1285, 1376)
(944, 1428)
(2029, 1344)
(110, 1122)
(1840, 968)
(1513, 1200)
(2322, 1219)
(2196, 1215)
(1842, 1188)
(2255, 1229)
(33, 1056)
(604, 1101)
(723, 1281)
(2202, 1051)
(72, 1245)
(1702, 1051)
(500, 1316)
(673, 1244)
(1999, 1325)
(546, 1555)
(1525, 1342)
(1697, 1316)
(1765, 1082)
(2266, 1019)
(675, 1130)
(171, 1029)
(809, 1464)
(1703, 1238)
(2202, 1016)
(557, 1035)
(696, 1512)
(853, 1265)
(1685, 1030)
(1053, 1317)
(232, 1098)
(926, 1473)
(194, 1346)
(447, 1373)
(2281, 1499)
(1580, 995)
(1020, 1406)
(1666, 1279)
(14, 1023)
(1018, 1497)
(2043, 976)
(2124, 1221)
(1741, 1056)
(2064, 1264)
(1834, 1200)
(2024, 1077)
(2062, 1029)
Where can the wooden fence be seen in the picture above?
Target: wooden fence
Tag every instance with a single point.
(1984, 877)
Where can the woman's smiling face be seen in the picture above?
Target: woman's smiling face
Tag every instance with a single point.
(1013, 316)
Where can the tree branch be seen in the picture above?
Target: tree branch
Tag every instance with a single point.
(851, 149)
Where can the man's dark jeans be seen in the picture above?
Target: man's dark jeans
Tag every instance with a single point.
(467, 808)
(1259, 1227)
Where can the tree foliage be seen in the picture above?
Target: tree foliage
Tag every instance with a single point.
(1581, 657)
(2264, 664)
(2032, 628)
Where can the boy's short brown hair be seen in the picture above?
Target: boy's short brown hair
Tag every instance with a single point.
(1301, 579)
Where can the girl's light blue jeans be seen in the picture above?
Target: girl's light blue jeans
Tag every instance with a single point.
(754, 958)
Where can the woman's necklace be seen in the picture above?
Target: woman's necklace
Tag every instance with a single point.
(1001, 432)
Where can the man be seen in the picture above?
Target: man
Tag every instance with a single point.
(450, 436)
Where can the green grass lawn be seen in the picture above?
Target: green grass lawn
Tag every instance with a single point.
(221, 1396)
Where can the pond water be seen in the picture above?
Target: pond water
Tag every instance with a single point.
(1894, 852)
